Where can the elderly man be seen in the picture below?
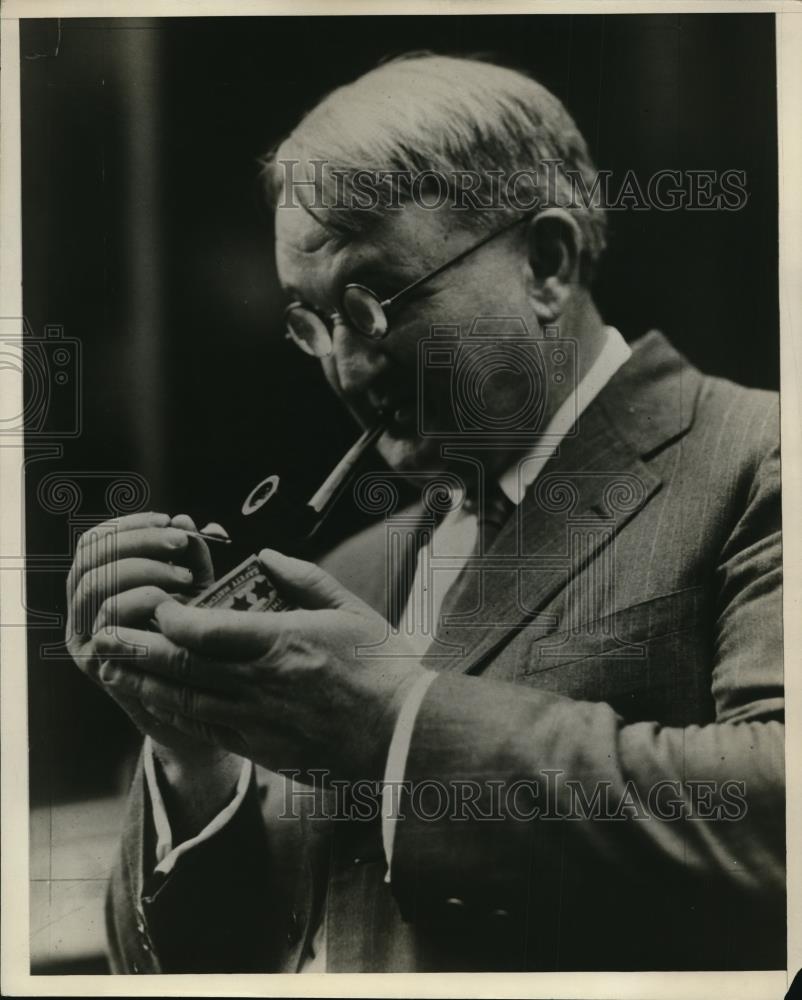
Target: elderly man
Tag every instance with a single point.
(578, 756)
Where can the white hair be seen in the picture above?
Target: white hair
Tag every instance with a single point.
(425, 114)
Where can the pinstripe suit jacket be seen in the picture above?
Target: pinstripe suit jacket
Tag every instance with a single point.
(622, 649)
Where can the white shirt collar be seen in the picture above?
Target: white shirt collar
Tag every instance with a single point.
(520, 476)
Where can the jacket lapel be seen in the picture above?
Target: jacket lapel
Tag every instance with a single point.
(592, 486)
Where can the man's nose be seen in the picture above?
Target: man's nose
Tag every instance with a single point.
(357, 359)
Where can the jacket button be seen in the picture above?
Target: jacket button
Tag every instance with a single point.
(293, 929)
(499, 914)
(455, 903)
(142, 931)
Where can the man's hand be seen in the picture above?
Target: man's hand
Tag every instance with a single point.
(290, 689)
(123, 569)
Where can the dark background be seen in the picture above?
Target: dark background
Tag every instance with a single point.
(146, 238)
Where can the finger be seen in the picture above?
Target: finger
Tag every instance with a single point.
(164, 726)
(144, 721)
(133, 608)
(129, 522)
(226, 635)
(142, 519)
(213, 528)
(305, 584)
(199, 558)
(166, 544)
(218, 736)
(153, 653)
(134, 709)
(159, 725)
(162, 696)
(98, 585)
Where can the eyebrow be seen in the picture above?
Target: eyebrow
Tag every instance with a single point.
(375, 272)
(371, 273)
(332, 230)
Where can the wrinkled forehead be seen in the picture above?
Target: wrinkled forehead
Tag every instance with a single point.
(313, 260)
(308, 253)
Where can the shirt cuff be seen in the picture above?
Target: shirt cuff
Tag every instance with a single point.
(397, 762)
(166, 854)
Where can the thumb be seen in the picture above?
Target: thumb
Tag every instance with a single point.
(213, 528)
(304, 584)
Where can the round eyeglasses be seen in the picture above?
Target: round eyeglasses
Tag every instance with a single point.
(363, 310)
(359, 307)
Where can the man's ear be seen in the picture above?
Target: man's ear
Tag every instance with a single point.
(555, 248)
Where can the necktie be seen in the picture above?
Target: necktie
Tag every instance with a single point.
(492, 509)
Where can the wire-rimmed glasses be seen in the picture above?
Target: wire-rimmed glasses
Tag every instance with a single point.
(360, 307)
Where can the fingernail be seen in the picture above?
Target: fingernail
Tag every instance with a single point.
(107, 673)
(213, 528)
(175, 539)
(183, 573)
(159, 610)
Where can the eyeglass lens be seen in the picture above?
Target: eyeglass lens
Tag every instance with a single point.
(308, 331)
(362, 309)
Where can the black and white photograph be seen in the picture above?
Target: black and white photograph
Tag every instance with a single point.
(393, 407)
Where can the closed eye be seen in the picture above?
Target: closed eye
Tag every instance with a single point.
(383, 283)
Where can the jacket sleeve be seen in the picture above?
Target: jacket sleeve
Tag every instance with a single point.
(242, 901)
(576, 818)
